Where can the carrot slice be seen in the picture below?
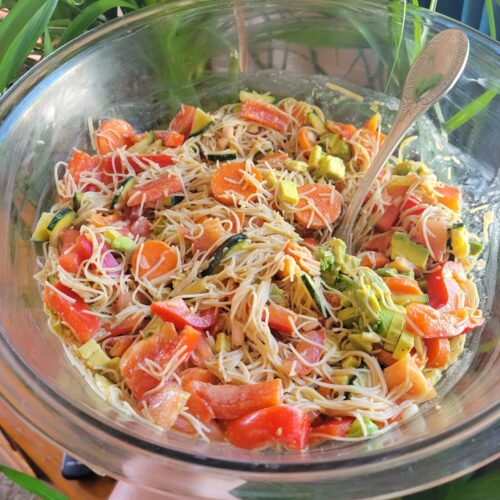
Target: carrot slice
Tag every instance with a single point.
(112, 135)
(402, 284)
(154, 190)
(152, 259)
(374, 260)
(274, 158)
(326, 200)
(230, 178)
(449, 196)
(406, 369)
(305, 139)
(265, 114)
(212, 232)
(438, 352)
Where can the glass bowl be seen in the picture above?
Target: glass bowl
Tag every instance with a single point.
(140, 68)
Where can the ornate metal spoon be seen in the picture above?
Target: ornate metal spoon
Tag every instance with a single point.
(431, 76)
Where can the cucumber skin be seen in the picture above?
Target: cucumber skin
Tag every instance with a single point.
(220, 252)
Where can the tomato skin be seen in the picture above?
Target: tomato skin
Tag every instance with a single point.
(75, 313)
(113, 164)
(118, 345)
(79, 163)
(430, 323)
(113, 134)
(388, 218)
(154, 190)
(177, 312)
(438, 352)
(379, 242)
(164, 405)
(443, 287)
(265, 114)
(337, 426)
(230, 402)
(285, 425)
(170, 138)
(410, 206)
(280, 319)
(437, 235)
(183, 120)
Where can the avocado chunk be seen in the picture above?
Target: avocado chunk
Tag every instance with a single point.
(201, 122)
(390, 327)
(402, 246)
(331, 167)
(357, 431)
(336, 146)
(287, 191)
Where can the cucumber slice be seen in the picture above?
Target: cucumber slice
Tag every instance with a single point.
(318, 299)
(62, 220)
(41, 233)
(255, 96)
(201, 122)
(122, 192)
(227, 154)
(77, 201)
(173, 200)
(405, 299)
(222, 252)
(141, 145)
(476, 247)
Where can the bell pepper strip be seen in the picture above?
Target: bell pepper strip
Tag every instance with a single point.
(235, 401)
(438, 352)
(112, 164)
(163, 406)
(450, 197)
(112, 135)
(170, 138)
(129, 325)
(429, 323)
(280, 319)
(72, 310)
(413, 206)
(405, 370)
(158, 348)
(183, 120)
(403, 285)
(177, 312)
(335, 427)
(285, 425)
(265, 114)
(309, 352)
(154, 190)
(443, 287)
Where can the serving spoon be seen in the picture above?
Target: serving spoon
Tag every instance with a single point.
(434, 72)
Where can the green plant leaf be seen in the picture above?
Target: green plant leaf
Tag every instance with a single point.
(471, 109)
(491, 19)
(32, 484)
(47, 43)
(20, 47)
(90, 15)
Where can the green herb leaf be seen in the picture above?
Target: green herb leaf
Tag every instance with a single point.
(491, 19)
(25, 39)
(90, 15)
(471, 109)
(32, 484)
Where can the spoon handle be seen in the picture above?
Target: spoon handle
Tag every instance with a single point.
(432, 75)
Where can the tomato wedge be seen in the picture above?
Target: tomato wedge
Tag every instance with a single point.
(112, 135)
(335, 427)
(164, 405)
(429, 323)
(177, 312)
(80, 163)
(379, 242)
(183, 120)
(158, 348)
(281, 319)
(326, 201)
(443, 287)
(436, 234)
(265, 114)
(170, 138)
(234, 401)
(309, 352)
(111, 165)
(154, 190)
(450, 197)
(72, 310)
(213, 231)
(285, 425)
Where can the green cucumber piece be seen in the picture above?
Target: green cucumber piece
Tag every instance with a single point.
(141, 145)
(41, 232)
(222, 252)
(62, 220)
(173, 200)
(405, 344)
(122, 192)
(318, 299)
(77, 201)
(475, 247)
(227, 154)
(201, 122)
(402, 299)
(255, 96)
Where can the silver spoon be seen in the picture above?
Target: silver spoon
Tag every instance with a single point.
(431, 76)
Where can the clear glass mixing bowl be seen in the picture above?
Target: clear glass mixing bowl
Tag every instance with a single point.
(140, 68)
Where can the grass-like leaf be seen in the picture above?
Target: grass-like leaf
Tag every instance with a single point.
(22, 44)
(90, 15)
(47, 43)
(32, 484)
(491, 19)
(472, 109)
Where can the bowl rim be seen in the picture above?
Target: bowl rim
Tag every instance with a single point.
(434, 444)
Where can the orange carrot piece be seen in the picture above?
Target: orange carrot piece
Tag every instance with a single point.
(346, 130)
(449, 196)
(229, 177)
(374, 260)
(153, 254)
(154, 190)
(274, 157)
(112, 135)
(326, 200)
(403, 284)
(305, 139)
(406, 369)
(212, 232)
(438, 352)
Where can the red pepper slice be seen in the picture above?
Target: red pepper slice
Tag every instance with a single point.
(265, 114)
(443, 287)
